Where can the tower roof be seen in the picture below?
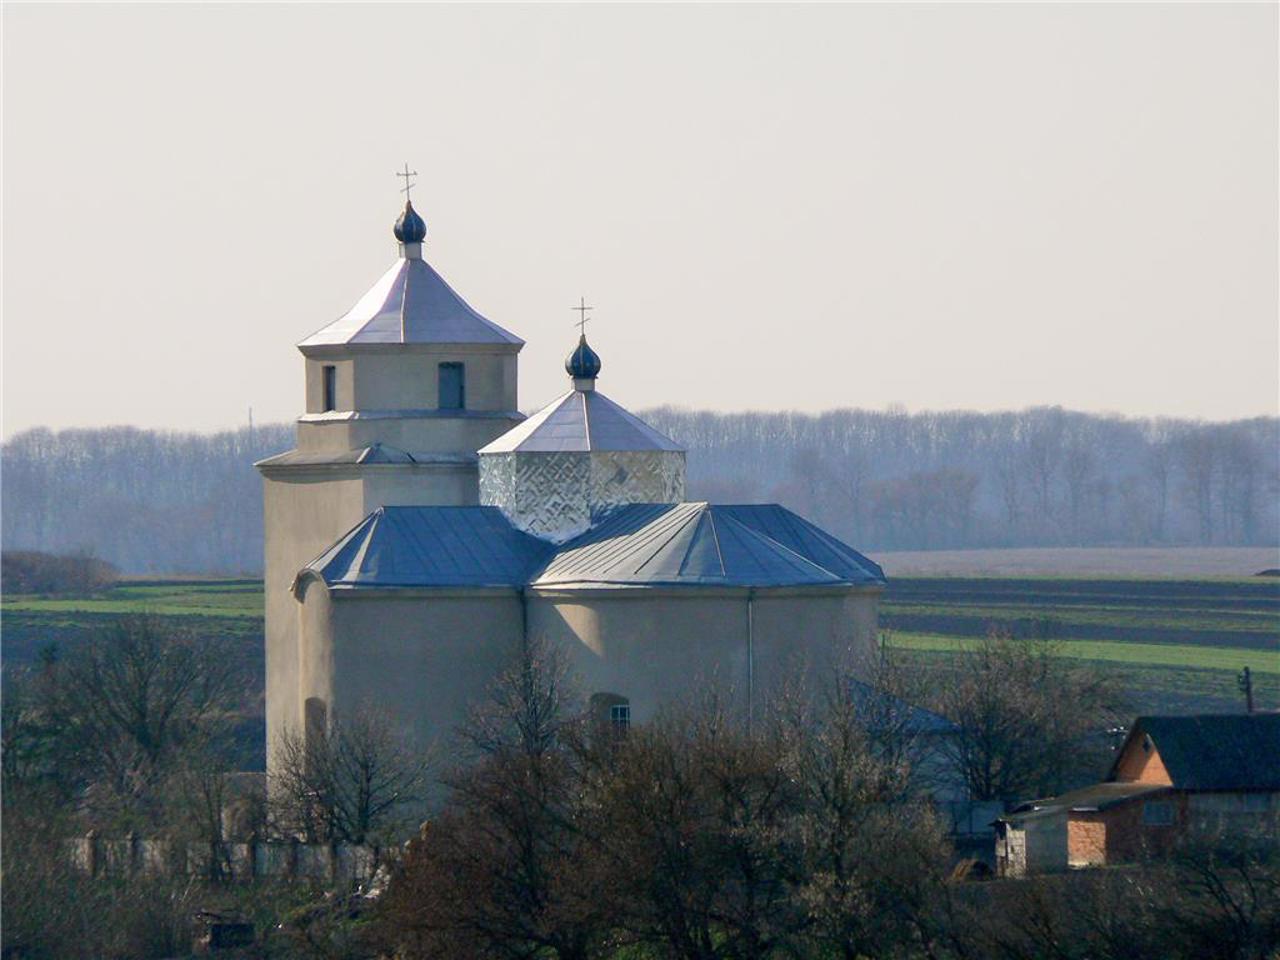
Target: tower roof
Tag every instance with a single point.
(581, 421)
(411, 303)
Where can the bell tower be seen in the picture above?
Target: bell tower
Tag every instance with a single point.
(401, 391)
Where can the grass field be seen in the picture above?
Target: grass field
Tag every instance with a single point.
(1176, 644)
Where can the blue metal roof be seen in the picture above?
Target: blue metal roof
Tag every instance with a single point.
(410, 228)
(683, 543)
(432, 547)
(583, 363)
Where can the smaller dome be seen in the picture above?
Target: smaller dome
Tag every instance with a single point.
(410, 228)
(583, 363)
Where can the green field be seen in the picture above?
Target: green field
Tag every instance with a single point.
(1177, 645)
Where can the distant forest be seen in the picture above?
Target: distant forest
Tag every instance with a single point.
(158, 502)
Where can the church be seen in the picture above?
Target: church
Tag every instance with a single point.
(422, 526)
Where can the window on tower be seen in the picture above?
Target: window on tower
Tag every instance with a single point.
(453, 387)
(330, 388)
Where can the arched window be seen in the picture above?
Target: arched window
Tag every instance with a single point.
(315, 722)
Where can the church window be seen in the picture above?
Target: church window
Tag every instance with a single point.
(620, 716)
(610, 713)
(453, 386)
(330, 387)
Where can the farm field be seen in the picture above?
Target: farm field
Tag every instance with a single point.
(1176, 645)
(1189, 563)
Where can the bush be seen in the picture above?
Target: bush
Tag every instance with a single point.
(28, 571)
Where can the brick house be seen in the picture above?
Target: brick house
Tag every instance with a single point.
(1172, 776)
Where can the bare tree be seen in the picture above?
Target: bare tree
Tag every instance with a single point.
(1029, 721)
(354, 781)
(129, 706)
(509, 870)
(530, 704)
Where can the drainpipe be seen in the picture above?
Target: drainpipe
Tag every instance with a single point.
(751, 656)
(524, 618)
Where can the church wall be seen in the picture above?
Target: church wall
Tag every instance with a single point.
(303, 519)
(315, 646)
(423, 656)
(811, 634)
(397, 486)
(343, 370)
(659, 645)
(651, 646)
(458, 436)
(408, 381)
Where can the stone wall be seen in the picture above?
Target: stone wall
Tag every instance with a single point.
(287, 860)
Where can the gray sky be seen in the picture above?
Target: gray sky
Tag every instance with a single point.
(800, 207)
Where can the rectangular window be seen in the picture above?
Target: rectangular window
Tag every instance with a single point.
(1157, 813)
(330, 388)
(620, 716)
(453, 387)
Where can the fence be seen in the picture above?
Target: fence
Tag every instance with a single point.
(255, 859)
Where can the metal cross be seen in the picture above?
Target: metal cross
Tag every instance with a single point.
(581, 309)
(407, 185)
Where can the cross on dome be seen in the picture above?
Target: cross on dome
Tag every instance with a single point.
(583, 365)
(410, 229)
(407, 185)
(581, 309)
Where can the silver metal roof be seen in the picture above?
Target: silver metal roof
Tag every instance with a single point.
(580, 421)
(697, 543)
(432, 547)
(682, 544)
(411, 303)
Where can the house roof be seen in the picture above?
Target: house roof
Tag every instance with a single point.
(698, 543)
(580, 421)
(689, 544)
(1090, 799)
(410, 303)
(431, 546)
(1234, 751)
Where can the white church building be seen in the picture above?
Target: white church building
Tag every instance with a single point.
(422, 526)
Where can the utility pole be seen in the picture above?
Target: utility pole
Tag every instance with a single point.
(1245, 683)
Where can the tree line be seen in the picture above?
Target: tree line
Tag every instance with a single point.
(150, 501)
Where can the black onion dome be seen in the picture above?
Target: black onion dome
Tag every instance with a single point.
(583, 363)
(410, 228)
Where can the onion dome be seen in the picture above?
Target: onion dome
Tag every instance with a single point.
(410, 228)
(583, 363)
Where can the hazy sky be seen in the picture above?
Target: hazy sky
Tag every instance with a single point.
(799, 207)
